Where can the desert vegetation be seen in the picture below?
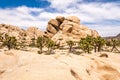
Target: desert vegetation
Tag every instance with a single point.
(114, 44)
(50, 44)
(70, 44)
(40, 43)
(60, 32)
(8, 41)
(87, 44)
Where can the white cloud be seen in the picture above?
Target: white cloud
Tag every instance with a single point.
(21, 16)
(106, 30)
(62, 4)
(87, 12)
(101, 11)
(91, 12)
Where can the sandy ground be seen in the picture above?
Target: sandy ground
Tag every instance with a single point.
(23, 65)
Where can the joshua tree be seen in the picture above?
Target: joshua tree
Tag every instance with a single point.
(114, 44)
(22, 43)
(50, 44)
(94, 44)
(33, 39)
(32, 42)
(70, 44)
(86, 44)
(9, 41)
(40, 43)
(1, 40)
(118, 42)
(99, 42)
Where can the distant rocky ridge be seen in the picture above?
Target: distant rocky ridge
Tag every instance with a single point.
(68, 28)
(113, 37)
(118, 36)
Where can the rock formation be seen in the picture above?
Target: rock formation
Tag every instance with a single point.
(11, 31)
(31, 32)
(61, 28)
(68, 28)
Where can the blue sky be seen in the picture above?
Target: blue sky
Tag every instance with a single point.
(101, 15)
(28, 3)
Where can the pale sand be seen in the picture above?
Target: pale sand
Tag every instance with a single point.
(22, 65)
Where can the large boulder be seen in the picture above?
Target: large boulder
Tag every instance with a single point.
(73, 19)
(51, 29)
(60, 19)
(53, 22)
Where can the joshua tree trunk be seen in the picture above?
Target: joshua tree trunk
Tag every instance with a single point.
(95, 48)
(117, 49)
(88, 49)
(40, 49)
(9, 47)
(48, 49)
(70, 49)
(114, 47)
(99, 48)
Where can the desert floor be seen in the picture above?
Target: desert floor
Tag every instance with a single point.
(28, 65)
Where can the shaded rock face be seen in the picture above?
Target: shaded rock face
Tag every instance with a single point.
(68, 28)
(20, 34)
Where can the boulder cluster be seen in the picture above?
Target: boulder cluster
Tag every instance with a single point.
(68, 28)
(20, 34)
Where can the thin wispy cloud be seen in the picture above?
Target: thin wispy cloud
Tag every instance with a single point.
(103, 16)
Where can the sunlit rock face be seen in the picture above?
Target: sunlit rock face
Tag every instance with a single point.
(68, 28)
